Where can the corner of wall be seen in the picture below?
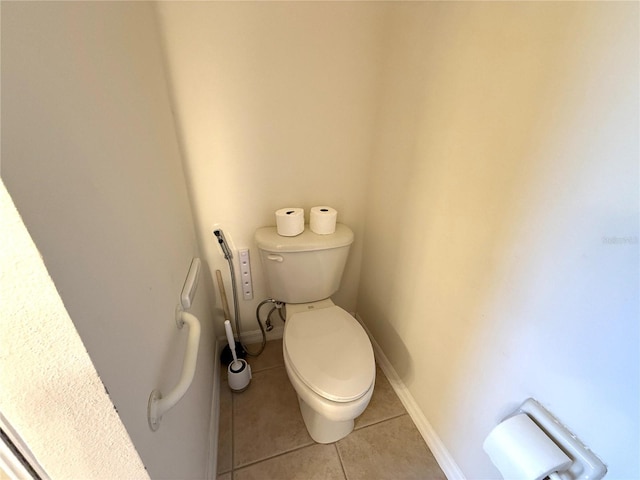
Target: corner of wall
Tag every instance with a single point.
(433, 441)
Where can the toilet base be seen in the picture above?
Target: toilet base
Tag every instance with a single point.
(320, 428)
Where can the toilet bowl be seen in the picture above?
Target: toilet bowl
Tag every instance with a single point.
(327, 353)
(330, 364)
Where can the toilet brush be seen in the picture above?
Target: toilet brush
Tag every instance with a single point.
(235, 365)
(225, 356)
(239, 370)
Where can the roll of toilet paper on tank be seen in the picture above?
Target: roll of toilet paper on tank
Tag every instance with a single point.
(522, 451)
(322, 220)
(290, 221)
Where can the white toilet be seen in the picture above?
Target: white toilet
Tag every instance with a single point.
(327, 354)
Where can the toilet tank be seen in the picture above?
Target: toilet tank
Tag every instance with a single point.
(305, 268)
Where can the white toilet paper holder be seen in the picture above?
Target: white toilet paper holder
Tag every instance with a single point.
(585, 464)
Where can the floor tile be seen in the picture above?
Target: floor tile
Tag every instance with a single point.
(224, 430)
(262, 435)
(316, 462)
(269, 358)
(384, 403)
(267, 419)
(388, 450)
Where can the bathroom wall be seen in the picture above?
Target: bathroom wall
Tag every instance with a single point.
(500, 259)
(275, 104)
(91, 159)
(487, 152)
(49, 388)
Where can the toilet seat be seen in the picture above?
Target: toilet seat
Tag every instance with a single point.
(330, 352)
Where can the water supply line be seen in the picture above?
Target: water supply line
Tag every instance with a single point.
(226, 251)
(277, 305)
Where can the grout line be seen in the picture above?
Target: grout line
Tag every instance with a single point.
(264, 369)
(295, 449)
(381, 421)
(344, 471)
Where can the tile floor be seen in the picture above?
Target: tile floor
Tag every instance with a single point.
(262, 435)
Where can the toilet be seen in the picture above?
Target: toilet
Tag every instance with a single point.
(327, 354)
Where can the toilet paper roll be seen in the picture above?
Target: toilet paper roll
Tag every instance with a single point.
(290, 221)
(522, 451)
(322, 220)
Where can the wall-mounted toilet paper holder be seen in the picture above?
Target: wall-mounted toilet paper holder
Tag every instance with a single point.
(585, 465)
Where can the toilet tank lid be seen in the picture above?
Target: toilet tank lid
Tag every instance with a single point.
(267, 238)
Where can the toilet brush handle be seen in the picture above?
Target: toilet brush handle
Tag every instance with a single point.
(231, 340)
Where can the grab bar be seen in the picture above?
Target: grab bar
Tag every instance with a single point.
(159, 404)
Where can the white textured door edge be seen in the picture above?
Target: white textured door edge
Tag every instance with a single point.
(16, 460)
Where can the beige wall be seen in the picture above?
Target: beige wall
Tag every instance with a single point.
(506, 151)
(90, 157)
(275, 105)
(484, 153)
(480, 151)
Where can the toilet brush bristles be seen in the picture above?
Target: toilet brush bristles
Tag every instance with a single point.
(237, 366)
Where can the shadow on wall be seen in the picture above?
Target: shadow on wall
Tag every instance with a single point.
(492, 130)
(274, 104)
(466, 107)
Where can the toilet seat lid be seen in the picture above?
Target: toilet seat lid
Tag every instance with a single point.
(331, 353)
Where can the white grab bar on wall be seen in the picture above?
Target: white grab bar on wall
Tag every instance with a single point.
(159, 404)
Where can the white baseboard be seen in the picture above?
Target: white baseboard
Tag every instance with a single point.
(255, 336)
(440, 452)
(214, 424)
